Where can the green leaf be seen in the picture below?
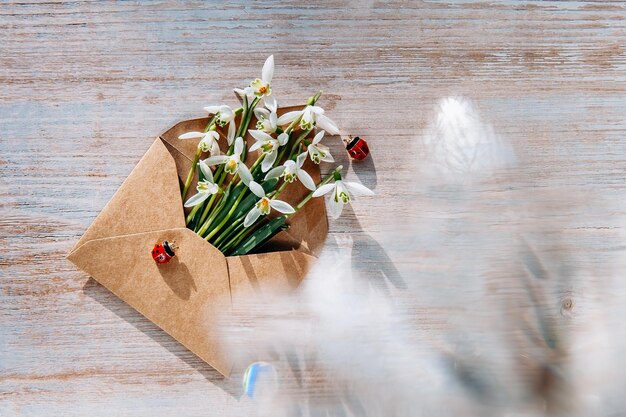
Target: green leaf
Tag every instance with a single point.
(260, 236)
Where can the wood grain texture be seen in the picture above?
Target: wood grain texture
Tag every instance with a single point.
(87, 85)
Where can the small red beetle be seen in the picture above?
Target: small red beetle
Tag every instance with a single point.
(163, 252)
(357, 148)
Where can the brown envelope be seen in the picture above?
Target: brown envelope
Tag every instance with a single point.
(185, 296)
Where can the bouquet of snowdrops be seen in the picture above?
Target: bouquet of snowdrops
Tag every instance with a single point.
(233, 200)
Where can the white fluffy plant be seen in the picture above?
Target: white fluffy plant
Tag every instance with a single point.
(233, 200)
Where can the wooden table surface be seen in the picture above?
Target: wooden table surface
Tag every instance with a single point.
(87, 85)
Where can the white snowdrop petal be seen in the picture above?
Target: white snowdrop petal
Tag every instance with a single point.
(196, 199)
(256, 188)
(260, 135)
(335, 208)
(216, 160)
(268, 70)
(358, 189)
(206, 171)
(282, 206)
(306, 179)
(251, 217)
(244, 173)
(328, 125)
(289, 117)
(324, 189)
(274, 172)
(191, 135)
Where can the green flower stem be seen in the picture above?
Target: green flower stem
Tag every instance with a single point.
(236, 240)
(193, 212)
(228, 215)
(226, 232)
(295, 145)
(325, 181)
(276, 193)
(196, 158)
(206, 211)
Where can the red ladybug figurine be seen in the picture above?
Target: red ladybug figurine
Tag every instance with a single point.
(163, 252)
(357, 148)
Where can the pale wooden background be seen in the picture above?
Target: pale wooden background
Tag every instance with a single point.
(87, 85)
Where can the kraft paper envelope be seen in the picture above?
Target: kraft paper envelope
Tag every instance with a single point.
(186, 296)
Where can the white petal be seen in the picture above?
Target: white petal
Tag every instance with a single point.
(212, 134)
(206, 171)
(358, 189)
(273, 119)
(231, 132)
(274, 172)
(244, 173)
(306, 179)
(335, 208)
(256, 188)
(318, 137)
(215, 148)
(255, 146)
(301, 158)
(283, 138)
(328, 125)
(261, 113)
(260, 135)
(191, 135)
(270, 103)
(328, 157)
(212, 109)
(281, 206)
(216, 160)
(268, 161)
(316, 109)
(251, 217)
(268, 70)
(324, 189)
(238, 146)
(288, 117)
(196, 199)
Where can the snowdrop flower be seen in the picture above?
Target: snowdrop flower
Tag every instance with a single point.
(262, 87)
(291, 170)
(340, 194)
(266, 120)
(233, 163)
(264, 205)
(319, 152)
(269, 146)
(206, 187)
(208, 143)
(223, 114)
(311, 116)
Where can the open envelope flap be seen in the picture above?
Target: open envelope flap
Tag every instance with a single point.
(149, 199)
(184, 297)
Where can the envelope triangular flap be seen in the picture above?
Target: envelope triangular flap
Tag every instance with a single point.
(149, 199)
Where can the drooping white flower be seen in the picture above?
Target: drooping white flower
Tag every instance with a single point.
(341, 194)
(266, 120)
(205, 188)
(223, 114)
(264, 205)
(291, 170)
(269, 146)
(312, 116)
(319, 152)
(208, 143)
(233, 163)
